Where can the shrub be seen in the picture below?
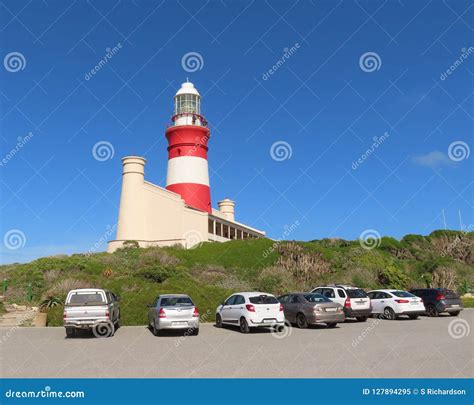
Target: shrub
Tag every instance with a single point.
(49, 302)
(156, 274)
(393, 277)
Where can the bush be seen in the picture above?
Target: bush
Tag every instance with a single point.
(156, 274)
(393, 277)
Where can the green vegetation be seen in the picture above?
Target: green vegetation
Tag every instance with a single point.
(212, 271)
(468, 302)
(2, 308)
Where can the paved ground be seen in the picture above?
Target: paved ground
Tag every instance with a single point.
(377, 348)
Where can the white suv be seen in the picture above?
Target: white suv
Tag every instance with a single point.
(250, 310)
(355, 301)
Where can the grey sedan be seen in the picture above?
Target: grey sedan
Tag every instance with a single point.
(305, 309)
(173, 311)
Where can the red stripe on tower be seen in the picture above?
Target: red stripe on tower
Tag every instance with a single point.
(188, 173)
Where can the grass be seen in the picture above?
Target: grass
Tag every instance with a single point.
(468, 302)
(2, 308)
(213, 271)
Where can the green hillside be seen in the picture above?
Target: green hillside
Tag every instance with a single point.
(212, 271)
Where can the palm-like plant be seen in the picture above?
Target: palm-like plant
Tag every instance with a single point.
(50, 302)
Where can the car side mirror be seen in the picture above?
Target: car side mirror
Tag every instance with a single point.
(117, 298)
(149, 305)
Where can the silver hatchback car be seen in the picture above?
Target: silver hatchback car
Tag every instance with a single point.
(173, 311)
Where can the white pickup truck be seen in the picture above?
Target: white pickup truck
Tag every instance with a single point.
(94, 309)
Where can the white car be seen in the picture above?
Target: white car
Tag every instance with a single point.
(355, 301)
(393, 303)
(251, 310)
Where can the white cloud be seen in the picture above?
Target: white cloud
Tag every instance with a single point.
(433, 159)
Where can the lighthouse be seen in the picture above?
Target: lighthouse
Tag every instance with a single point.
(188, 173)
(181, 212)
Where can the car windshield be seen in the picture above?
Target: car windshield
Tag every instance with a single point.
(86, 299)
(405, 294)
(263, 299)
(176, 302)
(316, 298)
(356, 293)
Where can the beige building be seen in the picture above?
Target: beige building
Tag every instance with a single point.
(155, 216)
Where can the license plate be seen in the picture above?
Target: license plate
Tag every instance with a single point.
(268, 320)
(330, 309)
(179, 323)
(414, 303)
(455, 305)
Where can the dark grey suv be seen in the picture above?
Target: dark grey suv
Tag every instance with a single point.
(439, 300)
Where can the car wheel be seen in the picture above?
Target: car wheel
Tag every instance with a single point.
(454, 313)
(331, 324)
(389, 313)
(195, 331)
(70, 332)
(361, 318)
(413, 316)
(301, 321)
(431, 311)
(218, 321)
(244, 326)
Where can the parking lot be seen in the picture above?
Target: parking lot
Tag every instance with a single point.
(427, 347)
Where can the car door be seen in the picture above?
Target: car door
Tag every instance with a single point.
(236, 309)
(340, 297)
(375, 297)
(291, 307)
(116, 307)
(152, 311)
(226, 308)
(112, 306)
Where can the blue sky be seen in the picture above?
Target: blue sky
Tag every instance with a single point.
(322, 108)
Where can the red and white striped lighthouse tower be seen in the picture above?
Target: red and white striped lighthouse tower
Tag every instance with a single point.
(188, 173)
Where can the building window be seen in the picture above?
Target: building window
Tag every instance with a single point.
(226, 231)
(210, 226)
(218, 229)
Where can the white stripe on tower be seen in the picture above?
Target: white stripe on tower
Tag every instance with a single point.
(187, 169)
